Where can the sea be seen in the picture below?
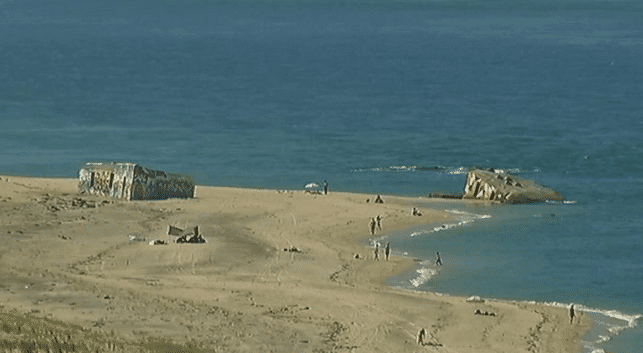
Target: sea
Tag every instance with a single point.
(390, 97)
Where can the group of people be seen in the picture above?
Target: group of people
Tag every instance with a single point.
(375, 224)
(387, 251)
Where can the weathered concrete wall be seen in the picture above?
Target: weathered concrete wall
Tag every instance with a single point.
(486, 185)
(157, 185)
(113, 180)
(132, 182)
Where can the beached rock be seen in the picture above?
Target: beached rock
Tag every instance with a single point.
(474, 299)
(496, 186)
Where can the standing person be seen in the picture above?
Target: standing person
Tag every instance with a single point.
(325, 187)
(387, 251)
(378, 219)
(438, 261)
(571, 314)
(420, 337)
(376, 252)
(372, 226)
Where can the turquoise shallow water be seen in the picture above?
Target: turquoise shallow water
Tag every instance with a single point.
(388, 97)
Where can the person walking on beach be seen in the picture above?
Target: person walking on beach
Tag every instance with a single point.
(387, 251)
(376, 252)
(571, 314)
(438, 261)
(378, 219)
(325, 187)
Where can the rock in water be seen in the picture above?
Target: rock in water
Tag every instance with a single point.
(486, 185)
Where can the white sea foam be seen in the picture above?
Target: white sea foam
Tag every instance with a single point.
(607, 320)
(631, 320)
(611, 328)
(415, 168)
(463, 218)
(459, 170)
(424, 275)
(367, 169)
(420, 233)
(473, 215)
(437, 168)
(402, 167)
(564, 202)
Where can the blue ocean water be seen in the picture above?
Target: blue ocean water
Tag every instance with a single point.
(375, 96)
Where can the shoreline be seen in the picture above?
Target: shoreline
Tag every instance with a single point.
(245, 279)
(604, 324)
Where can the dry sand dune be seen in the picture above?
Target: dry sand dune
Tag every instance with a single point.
(71, 279)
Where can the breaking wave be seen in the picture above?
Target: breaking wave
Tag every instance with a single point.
(424, 274)
(462, 218)
(438, 168)
(607, 324)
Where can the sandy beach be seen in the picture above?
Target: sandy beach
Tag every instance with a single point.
(278, 273)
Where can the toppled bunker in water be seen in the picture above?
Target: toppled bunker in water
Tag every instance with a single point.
(494, 186)
(130, 181)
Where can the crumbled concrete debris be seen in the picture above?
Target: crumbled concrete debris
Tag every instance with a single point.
(293, 249)
(484, 313)
(176, 231)
(55, 204)
(188, 235)
(172, 230)
(135, 237)
(190, 238)
(158, 242)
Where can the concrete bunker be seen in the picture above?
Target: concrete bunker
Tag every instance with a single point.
(129, 181)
